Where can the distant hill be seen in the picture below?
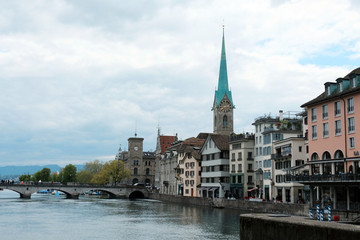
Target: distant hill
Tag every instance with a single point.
(15, 171)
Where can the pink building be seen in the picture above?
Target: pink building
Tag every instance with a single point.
(333, 120)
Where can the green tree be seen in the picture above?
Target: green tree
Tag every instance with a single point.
(43, 175)
(68, 174)
(25, 177)
(89, 171)
(93, 167)
(113, 168)
(84, 176)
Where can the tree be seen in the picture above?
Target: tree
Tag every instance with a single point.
(43, 175)
(84, 176)
(90, 169)
(68, 173)
(113, 168)
(25, 177)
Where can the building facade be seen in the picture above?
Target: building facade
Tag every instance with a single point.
(215, 181)
(241, 165)
(334, 144)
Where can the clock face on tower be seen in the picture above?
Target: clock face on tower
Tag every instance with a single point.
(225, 106)
(136, 148)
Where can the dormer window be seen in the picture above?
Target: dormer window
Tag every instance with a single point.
(353, 82)
(328, 91)
(340, 87)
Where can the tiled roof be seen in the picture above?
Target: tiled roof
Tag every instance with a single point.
(221, 141)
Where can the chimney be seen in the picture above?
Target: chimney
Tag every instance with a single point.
(281, 115)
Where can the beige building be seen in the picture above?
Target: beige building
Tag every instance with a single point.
(289, 158)
(242, 175)
(189, 168)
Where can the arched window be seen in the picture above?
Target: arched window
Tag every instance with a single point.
(135, 180)
(135, 171)
(314, 157)
(338, 154)
(147, 182)
(225, 121)
(326, 155)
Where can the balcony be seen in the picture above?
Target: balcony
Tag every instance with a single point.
(233, 159)
(327, 178)
(280, 155)
(250, 171)
(250, 159)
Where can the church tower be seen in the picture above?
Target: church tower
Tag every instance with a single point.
(223, 106)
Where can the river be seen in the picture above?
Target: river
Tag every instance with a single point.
(53, 217)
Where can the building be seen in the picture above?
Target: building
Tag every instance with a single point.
(223, 105)
(334, 144)
(140, 163)
(162, 144)
(189, 167)
(269, 130)
(289, 160)
(242, 165)
(215, 167)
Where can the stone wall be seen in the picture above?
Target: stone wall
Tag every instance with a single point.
(264, 207)
(277, 227)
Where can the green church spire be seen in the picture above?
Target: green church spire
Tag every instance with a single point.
(223, 86)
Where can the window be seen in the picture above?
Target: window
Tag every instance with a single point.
(136, 162)
(325, 111)
(325, 129)
(337, 109)
(351, 125)
(353, 82)
(313, 114)
(352, 142)
(225, 122)
(337, 127)
(350, 105)
(328, 92)
(147, 171)
(260, 150)
(300, 148)
(239, 167)
(340, 87)
(135, 171)
(240, 156)
(250, 167)
(233, 168)
(314, 132)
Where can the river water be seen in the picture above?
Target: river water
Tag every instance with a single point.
(53, 217)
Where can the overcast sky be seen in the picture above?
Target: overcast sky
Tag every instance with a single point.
(78, 78)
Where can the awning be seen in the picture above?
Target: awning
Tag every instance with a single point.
(252, 189)
(213, 188)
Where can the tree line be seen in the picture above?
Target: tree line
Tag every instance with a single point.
(94, 172)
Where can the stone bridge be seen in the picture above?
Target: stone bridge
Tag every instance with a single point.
(74, 190)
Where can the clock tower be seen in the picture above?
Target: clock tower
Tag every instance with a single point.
(223, 106)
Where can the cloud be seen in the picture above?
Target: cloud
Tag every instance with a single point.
(80, 77)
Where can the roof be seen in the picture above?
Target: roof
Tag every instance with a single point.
(335, 95)
(221, 141)
(189, 144)
(223, 85)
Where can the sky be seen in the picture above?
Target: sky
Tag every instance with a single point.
(78, 78)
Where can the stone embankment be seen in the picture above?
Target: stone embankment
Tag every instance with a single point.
(282, 227)
(261, 207)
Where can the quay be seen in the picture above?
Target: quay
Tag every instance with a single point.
(73, 190)
(285, 227)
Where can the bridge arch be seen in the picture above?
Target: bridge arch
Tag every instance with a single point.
(136, 194)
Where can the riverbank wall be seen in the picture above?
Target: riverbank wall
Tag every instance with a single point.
(280, 227)
(260, 207)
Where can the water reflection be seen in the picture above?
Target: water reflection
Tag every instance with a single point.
(95, 218)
